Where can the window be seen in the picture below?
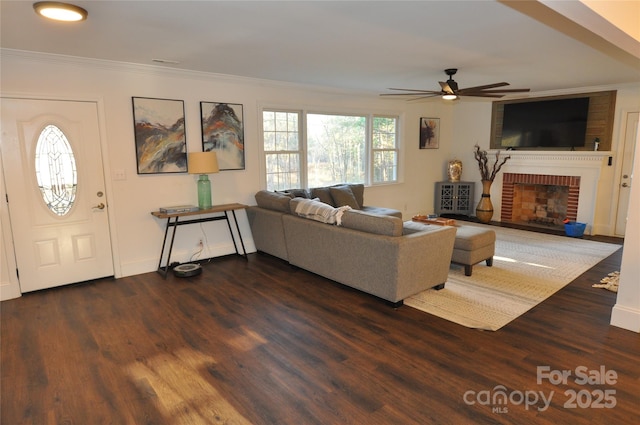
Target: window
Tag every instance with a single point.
(339, 149)
(282, 149)
(385, 150)
(56, 172)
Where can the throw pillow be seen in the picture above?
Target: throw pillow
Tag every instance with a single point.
(342, 195)
(323, 194)
(296, 193)
(358, 192)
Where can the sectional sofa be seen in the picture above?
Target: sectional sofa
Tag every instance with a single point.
(330, 232)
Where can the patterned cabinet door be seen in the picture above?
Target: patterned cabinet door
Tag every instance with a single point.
(445, 198)
(454, 198)
(464, 197)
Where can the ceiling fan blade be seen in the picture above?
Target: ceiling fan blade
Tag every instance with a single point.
(505, 91)
(422, 93)
(415, 90)
(445, 87)
(486, 86)
(424, 97)
(481, 94)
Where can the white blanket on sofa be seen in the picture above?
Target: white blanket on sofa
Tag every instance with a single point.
(319, 211)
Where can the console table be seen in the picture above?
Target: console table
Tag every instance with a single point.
(173, 220)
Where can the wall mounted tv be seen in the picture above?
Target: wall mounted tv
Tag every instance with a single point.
(565, 122)
(557, 123)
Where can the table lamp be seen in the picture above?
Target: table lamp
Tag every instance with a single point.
(203, 163)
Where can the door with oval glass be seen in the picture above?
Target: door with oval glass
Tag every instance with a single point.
(55, 185)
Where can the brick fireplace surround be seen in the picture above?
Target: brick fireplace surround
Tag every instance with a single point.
(568, 165)
(510, 180)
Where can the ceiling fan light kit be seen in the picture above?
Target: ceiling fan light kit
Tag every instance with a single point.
(449, 90)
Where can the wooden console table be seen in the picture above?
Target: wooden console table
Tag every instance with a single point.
(173, 220)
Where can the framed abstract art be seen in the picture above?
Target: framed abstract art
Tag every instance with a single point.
(223, 133)
(160, 141)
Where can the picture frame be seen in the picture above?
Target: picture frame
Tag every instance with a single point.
(223, 132)
(429, 133)
(159, 134)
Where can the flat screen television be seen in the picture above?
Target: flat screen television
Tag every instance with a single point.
(557, 123)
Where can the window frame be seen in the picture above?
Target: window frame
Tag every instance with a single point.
(303, 152)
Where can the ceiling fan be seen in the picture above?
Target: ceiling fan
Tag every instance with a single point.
(450, 90)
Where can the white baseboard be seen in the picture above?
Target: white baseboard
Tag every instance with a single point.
(9, 291)
(625, 318)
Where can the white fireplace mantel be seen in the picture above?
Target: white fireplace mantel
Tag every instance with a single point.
(586, 165)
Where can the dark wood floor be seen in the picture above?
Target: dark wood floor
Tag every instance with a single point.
(260, 342)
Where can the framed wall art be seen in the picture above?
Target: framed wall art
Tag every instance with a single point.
(223, 132)
(161, 145)
(429, 133)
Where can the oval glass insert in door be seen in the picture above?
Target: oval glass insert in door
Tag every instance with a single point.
(56, 171)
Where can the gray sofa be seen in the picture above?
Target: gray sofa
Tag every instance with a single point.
(371, 250)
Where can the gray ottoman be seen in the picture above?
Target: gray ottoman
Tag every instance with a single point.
(473, 245)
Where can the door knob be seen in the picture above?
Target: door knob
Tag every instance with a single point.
(100, 206)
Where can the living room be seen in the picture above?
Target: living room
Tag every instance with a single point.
(136, 236)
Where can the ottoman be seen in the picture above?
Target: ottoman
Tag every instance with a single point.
(473, 244)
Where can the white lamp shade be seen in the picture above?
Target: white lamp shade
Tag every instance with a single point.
(203, 163)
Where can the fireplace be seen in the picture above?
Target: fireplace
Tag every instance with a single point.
(539, 199)
(579, 171)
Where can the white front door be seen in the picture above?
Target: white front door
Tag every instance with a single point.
(629, 141)
(55, 185)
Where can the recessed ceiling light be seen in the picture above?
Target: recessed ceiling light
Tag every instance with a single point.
(60, 11)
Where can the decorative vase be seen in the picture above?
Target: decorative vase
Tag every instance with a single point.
(484, 210)
(454, 170)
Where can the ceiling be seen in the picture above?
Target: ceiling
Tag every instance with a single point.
(365, 46)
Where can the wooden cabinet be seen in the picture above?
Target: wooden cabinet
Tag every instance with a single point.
(454, 198)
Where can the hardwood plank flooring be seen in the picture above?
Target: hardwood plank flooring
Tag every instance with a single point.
(260, 342)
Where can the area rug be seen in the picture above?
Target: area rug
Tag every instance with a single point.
(528, 267)
(610, 283)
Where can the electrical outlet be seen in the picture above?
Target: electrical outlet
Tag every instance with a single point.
(200, 244)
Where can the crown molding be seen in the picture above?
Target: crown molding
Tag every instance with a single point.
(165, 71)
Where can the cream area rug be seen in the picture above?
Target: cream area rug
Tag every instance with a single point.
(528, 267)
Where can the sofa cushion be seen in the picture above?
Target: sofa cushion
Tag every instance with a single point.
(317, 210)
(323, 194)
(342, 195)
(372, 223)
(273, 200)
(382, 211)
